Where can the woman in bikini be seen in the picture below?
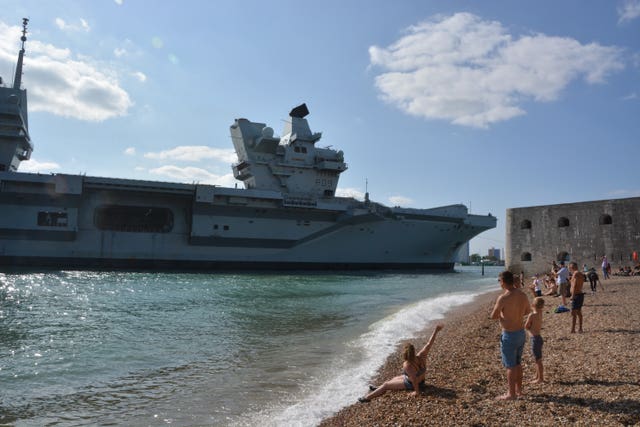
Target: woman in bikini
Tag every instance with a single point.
(414, 369)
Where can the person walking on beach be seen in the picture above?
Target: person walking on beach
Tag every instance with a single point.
(593, 280)
(414, 369)
(510, 308)
(562, 279)
(534, 325)
(605, 267)
(577, 296)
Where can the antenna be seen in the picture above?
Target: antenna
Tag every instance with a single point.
(25, 21)
(17, 81)
(366, 190)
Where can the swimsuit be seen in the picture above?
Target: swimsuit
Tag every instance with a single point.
(577, 302)
(536, 346)
(511, 345)
(408, 385)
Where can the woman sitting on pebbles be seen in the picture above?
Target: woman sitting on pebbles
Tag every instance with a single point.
(414, 369)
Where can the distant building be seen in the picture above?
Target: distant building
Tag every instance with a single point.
(493, 252)
(580, 232)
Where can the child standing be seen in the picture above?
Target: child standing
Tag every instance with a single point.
(534, 326)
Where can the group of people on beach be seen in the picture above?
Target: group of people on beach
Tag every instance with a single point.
(513, 304)
(516, 315)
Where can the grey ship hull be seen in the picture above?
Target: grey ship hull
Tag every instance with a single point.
(78, 222)
(287, 217)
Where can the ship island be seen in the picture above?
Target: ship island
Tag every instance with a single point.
(287, 216)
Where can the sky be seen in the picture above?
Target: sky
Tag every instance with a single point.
(493, 104)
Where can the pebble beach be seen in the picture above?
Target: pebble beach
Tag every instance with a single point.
(592, 378)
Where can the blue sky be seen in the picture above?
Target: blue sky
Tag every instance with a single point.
(494, 104)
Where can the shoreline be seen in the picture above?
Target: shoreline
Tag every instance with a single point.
(591, 378)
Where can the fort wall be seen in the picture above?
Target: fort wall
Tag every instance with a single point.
(580, 232)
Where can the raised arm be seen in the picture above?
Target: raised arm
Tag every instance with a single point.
(425, 350)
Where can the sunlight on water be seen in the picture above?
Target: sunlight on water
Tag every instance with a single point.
(86, 348)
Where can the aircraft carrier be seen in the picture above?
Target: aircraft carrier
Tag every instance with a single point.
(287, 216)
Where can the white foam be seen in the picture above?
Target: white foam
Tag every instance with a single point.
(349, 373)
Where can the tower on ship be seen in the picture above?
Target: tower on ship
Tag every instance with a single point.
(15, 143)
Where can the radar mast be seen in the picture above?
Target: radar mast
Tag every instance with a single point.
(17, 81)
(15, 142)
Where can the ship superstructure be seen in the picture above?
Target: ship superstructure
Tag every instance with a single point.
(287, 217)
(15, 144)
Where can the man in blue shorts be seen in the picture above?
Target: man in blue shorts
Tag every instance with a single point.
(577, 296)
(511, 307)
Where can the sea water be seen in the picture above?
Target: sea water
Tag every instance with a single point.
(155, 349)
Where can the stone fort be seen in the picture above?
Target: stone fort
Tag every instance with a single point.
(580, 232)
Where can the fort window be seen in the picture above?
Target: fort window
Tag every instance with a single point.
(52, 219)
(526, 256)
(563, 256)
(605, 219)
(525, 225)
(135, 219)
(226, 227)
(563, 222)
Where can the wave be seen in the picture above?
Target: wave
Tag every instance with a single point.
(348, 374)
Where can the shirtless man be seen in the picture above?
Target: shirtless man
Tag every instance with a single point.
(577, 296)
(510, 309)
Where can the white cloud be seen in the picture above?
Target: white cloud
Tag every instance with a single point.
(194, 153)
(350, 192)
(119, 52)
(142, 77)
(191, 174)
(473, 73)
(400, 201)
(628, 11)
(34, 166)
(157, 42)
(60, 23)
(63, 85)
(82, 26)
(630, 97)
(119, 2)
(130, 151)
